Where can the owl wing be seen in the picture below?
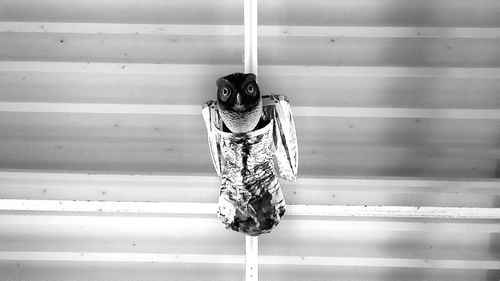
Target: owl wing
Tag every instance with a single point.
(277, 107)
(212, 118)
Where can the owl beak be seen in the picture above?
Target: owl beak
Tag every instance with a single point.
(238, 105)
(238, 99)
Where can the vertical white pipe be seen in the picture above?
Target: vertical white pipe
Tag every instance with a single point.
(252, 258)
(250, 28)
(250, 60)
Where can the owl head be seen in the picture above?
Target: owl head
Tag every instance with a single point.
(238, 92)
(239, 100)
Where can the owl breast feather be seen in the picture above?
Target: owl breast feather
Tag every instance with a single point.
(250, 197)
(242, 121)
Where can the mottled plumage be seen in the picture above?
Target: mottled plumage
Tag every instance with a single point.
(245, 151)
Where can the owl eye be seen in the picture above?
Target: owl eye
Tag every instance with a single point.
(225, 93)
(250, 89)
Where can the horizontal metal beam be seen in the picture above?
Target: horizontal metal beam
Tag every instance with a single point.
(431, 113)
(395, 212)
(275, 70)
(108, 206)
(97, 108)
(11, 179)
(331, 224)
(305, 111)
(239, 259)
(210, 208)
(264, 31)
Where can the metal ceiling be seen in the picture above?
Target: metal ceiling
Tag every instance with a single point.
(105, 172)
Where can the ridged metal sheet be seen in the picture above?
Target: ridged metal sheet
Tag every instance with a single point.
(396, 107)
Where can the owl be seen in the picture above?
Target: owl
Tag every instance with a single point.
(248, 136)
(240, 102)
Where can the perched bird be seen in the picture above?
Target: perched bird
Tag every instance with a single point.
(248, 135)
(240, 102)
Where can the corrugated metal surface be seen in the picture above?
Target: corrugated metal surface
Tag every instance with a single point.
(397, 108)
